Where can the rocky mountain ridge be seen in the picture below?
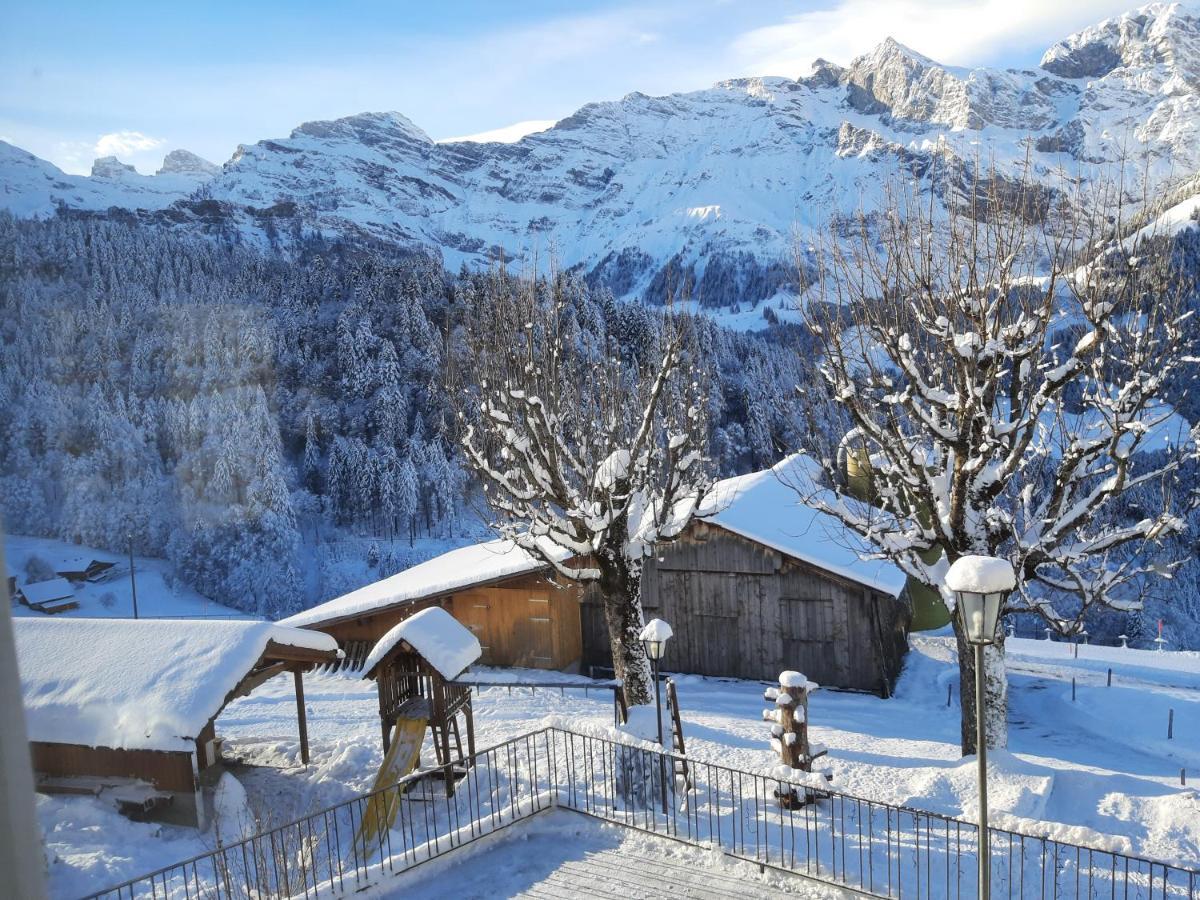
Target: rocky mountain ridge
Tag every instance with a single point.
(712, 184)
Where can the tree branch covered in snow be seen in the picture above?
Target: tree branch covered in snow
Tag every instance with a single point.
(1002, 364)
(583, 450)
(1002, 392)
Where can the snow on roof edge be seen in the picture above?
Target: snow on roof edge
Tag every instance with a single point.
(444, 642)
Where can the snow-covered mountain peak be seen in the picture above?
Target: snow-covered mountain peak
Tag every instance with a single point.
(1166, 34)
(184, 162)
(111, 167)
(371, 129)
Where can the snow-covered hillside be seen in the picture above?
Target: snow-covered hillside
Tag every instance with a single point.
(716, 180)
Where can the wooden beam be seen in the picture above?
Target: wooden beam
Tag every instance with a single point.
(301, 717)
(276, 651)
(254, 679)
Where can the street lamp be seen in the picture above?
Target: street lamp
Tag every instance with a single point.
(654, 639)
(980, 584)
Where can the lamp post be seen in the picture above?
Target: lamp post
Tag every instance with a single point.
(980, 584)
(654, 639)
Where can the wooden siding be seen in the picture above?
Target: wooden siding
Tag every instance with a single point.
(740, 609)
(522, 621)
(168, 771)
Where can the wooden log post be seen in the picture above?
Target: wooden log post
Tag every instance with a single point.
(301, 715)
(789, 733)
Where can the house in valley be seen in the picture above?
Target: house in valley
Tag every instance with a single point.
(55, 595)
(127, 708)
(760, 583)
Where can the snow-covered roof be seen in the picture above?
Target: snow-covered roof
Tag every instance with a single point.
(457, 570)
(765, 507)
(45, 591)
(445, 644)
(144, 684)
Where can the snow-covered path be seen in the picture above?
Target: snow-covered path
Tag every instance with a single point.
(562, 855)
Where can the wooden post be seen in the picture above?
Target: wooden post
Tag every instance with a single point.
(1170, 724)
(1110, 678)
(301, 716)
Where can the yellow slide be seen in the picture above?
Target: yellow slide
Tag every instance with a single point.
(402, 757)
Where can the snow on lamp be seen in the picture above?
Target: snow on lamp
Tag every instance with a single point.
(980, 584)
(654, 638)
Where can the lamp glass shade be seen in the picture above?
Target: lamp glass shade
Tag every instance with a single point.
(654, 638)
(980, 615)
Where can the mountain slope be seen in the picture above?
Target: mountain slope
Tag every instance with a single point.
(714, 182)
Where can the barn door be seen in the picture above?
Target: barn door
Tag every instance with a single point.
(809, 638)
(535, 632)
(473, 611)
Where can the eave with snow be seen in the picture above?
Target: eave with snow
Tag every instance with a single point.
(110, 703)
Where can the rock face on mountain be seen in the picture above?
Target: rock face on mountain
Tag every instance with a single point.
(184, 162)
(712, 186)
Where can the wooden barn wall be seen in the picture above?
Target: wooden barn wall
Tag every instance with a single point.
(523, 621)
(533, 624)
(740, 609)
(168, 771)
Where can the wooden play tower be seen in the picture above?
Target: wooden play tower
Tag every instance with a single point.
(414, 666)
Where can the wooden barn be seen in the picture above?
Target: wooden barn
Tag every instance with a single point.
(761, 583)
(510, 601)
(127, 708)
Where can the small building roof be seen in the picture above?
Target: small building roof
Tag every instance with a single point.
(46, 591)
(766, 507)
(445, 644)
(457, 570)
(141, 684)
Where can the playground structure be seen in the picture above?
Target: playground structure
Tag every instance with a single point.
(413, 666)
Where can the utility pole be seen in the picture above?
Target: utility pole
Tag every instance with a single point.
(132, 576)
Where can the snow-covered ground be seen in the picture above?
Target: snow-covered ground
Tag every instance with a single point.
(159, 594)
(1098, 770)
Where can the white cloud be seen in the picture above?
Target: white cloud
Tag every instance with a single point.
(125, 143)
(509, 134)
(956, 32)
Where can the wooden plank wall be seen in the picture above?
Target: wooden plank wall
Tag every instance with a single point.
(165, 770)
(740, 609)
(526, 622)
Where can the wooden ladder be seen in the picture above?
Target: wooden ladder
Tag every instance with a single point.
(679, 766)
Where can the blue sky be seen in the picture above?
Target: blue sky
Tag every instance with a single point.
(135, 79)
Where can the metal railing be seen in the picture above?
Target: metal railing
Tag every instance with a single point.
(874, 848)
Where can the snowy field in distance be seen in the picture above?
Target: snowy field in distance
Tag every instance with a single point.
(1096, 771)
(158, 593)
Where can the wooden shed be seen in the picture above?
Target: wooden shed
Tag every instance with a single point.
(761, 584)
(128, 707)
(512, 603)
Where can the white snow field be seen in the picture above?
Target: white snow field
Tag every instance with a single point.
(158, 593)
(1098, 771)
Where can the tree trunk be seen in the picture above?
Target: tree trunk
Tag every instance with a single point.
(995, 687)
(621, 590)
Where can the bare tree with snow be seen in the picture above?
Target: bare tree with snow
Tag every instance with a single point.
(1001, 370)
(590, 456)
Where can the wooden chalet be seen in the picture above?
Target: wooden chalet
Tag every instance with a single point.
(758, 584)
(127, 708)
(90, 570)
(521, 614)
(761, 583)
(55, 595)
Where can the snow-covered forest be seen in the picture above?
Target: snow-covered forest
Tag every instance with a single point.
(237, 412)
